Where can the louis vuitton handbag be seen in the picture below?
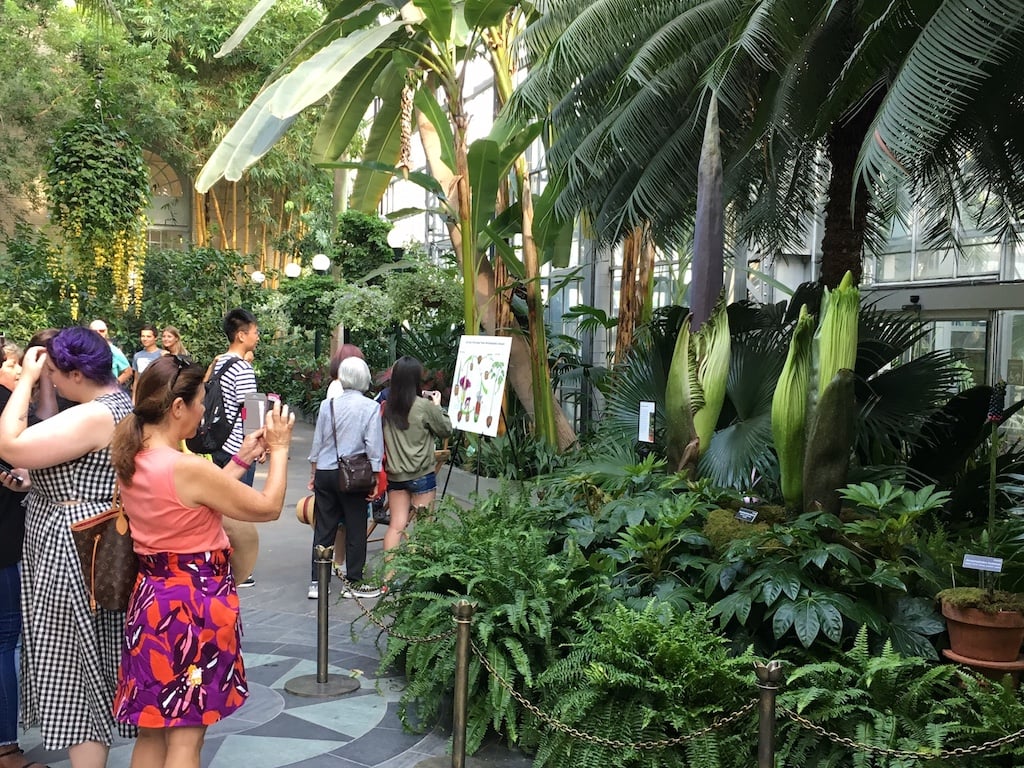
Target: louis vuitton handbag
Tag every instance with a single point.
(107, 556)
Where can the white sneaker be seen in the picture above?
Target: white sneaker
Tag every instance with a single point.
(366, 591)
(314, 590)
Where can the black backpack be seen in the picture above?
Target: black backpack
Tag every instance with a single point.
(215, 428)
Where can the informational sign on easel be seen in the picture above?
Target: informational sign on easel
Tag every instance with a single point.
(479, 384)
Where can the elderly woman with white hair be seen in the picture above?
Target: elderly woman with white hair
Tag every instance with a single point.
(347, 424)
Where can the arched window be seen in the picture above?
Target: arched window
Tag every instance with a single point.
(169, 215)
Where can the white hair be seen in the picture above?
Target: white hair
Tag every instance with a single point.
(354, 373)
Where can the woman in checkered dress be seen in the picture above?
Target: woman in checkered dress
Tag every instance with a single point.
(70, 655)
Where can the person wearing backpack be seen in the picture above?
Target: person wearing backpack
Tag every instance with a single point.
(236, 379)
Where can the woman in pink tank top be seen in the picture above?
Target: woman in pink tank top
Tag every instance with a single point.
(181, 666)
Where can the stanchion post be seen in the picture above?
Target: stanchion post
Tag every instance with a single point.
(463, 612)
(769, 679)
(324, 557)
(322, 684)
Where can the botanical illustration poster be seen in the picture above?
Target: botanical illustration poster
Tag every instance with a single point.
(479, 383)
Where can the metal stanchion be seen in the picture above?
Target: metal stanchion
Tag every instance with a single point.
(463, 612)
(322, 684)
(769, 679)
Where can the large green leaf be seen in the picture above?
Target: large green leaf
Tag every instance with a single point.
(552, 233)
(514, 265)
(251, 20)
(345, 113)
(485, 175)
(318, 75)
(427, 103)
(251, 137)
(383, 145)
(486, 13)
(424, 180)
(438, 19)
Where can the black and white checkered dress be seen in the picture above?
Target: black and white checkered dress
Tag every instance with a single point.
(69, 655)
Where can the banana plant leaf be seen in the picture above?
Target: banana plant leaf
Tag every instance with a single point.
(426, 102)
(384, 146)
(318, 75)
(251, 19)
(251, 137)
(484, 161)
(486, 13)
(348, 106)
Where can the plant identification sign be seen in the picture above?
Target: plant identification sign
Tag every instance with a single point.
(479, 383)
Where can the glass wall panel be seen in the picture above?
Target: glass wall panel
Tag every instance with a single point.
(934, 265)
(966, 339)
(894, 267)
(1012, 346)
(979, 258)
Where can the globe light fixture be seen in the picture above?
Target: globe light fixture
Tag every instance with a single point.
(395, 238)
(292, 269)
(258, 277)
(321, 263)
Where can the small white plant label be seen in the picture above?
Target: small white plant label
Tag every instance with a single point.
(982, 563)
(746, 515)
(645, 433)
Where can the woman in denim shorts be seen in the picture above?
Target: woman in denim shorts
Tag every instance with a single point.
(412, 420)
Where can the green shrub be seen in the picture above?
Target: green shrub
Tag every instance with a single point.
(646, 675)
(502, 556)
(894, 702)
(283, 365)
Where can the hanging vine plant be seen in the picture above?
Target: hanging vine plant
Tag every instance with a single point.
(98, 191)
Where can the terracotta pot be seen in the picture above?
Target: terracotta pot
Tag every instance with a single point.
(984, 636)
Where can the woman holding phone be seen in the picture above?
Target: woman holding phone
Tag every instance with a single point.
(70, 654)
(181, 664)
(412, 420)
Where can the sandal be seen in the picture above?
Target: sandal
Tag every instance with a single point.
(15, 751)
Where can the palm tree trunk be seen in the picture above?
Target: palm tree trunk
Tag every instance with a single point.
(842, 245)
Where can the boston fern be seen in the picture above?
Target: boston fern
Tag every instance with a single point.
(645, 676)
(894, 702)
(500, 555)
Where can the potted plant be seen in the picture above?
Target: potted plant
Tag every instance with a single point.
(985, 624)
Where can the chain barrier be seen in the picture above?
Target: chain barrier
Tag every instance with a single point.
(942, 754)
(558, 725)
(717, 724)
(389, 628)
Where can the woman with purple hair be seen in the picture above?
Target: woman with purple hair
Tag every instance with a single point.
(70, 654)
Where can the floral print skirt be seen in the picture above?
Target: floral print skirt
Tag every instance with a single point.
(181, 664)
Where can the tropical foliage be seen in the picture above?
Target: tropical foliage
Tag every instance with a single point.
(363, 52)
(876, 105)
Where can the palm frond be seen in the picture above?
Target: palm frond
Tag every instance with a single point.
(958, 49)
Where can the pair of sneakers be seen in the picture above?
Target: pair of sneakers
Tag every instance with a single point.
(349, 590)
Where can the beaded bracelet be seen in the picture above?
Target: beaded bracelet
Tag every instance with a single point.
(239, 462)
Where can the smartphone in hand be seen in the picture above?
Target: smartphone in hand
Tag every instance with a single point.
(9, 470)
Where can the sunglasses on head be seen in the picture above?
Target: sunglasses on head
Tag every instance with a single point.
(182, 362)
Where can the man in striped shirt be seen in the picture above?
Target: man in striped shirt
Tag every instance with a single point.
(238, 381)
